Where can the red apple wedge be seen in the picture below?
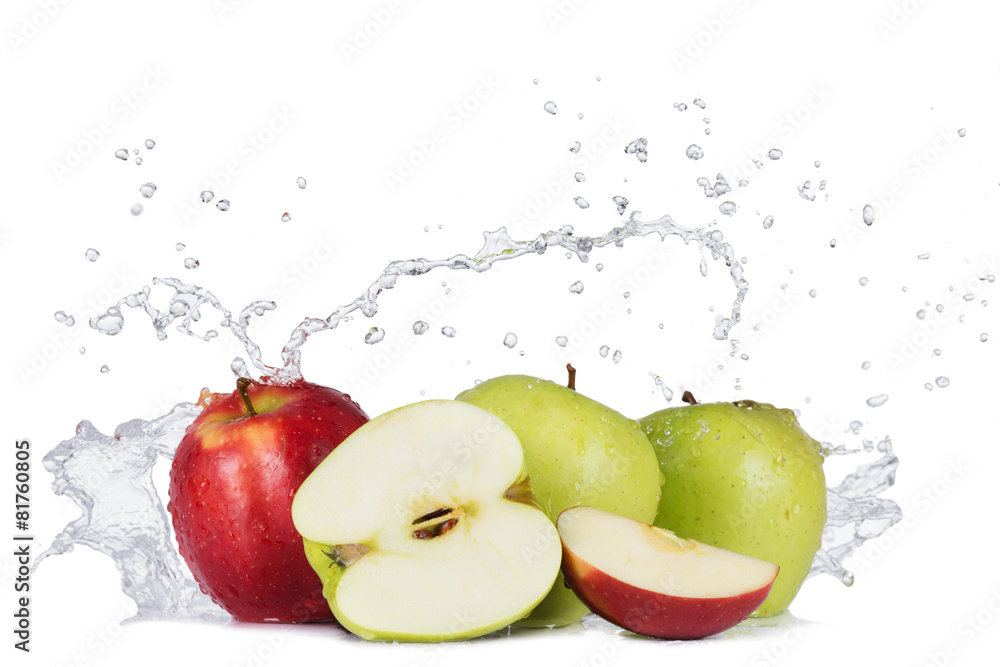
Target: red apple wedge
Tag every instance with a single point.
(651, 582)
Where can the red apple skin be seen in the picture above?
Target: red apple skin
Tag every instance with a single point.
(655, 614)
(232, 483)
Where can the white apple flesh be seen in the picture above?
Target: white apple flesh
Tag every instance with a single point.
(648, 580)
(422, 526)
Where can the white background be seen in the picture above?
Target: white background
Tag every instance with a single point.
(876, 91)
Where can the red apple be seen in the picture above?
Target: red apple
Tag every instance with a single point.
(649, 581)
(231, 487)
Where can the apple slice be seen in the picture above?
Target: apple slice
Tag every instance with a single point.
(422, 526)
(649, 581)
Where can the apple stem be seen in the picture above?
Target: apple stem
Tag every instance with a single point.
(572, 377)
(689, 398)
(241, 386)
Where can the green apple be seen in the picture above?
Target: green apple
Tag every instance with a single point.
(422, 527)
(577, 452)
(743, 476)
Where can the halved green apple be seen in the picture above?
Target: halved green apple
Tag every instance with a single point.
(422, 526)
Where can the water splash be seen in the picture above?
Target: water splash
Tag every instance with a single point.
(111, 479)
(187, 301)
(855, 513)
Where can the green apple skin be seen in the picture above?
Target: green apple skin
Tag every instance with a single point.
(576, 452)
(745, 477)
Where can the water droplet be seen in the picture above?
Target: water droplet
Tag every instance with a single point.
(939, 308)
(136, 209)
(448, 331)
(562, 341)
(191, 263)
(680, 106)
(580, 116)
(768, 221)
(862, 281)
(301, 182)
(150, 143)
(638, 148)
(961, 132)
(816, 164)
(928, 386)
(937, 352)
(812, 293)
(138, 160)
(574, 147)
(110, 323)
(694, 152)
(576, 287)
(942, 381)
(703, 267)
(925, 255)
(60, 316)
(122, 154)
(285, 217)
(877, 401)
(921, 314)
(969, 296)
(833, 243)
(551, 107)
(775, 153)
(868, 214)
(92, 255)
(83, 350)
(207, 196)
(535, 81)
(420, 327)
(620, 203)
(699, 103)
(510, 340)
(866, 365)
(604, 350)
(222, 205)
(599, 268)
(617, 356)
(374, 335)
(805, 191)
(147, 190)
(105, 369)
(983, 337)
(580, 177)
(581, 202)
(727, 208)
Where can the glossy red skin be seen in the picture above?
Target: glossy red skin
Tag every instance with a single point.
(655, 614)
(232, 483)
